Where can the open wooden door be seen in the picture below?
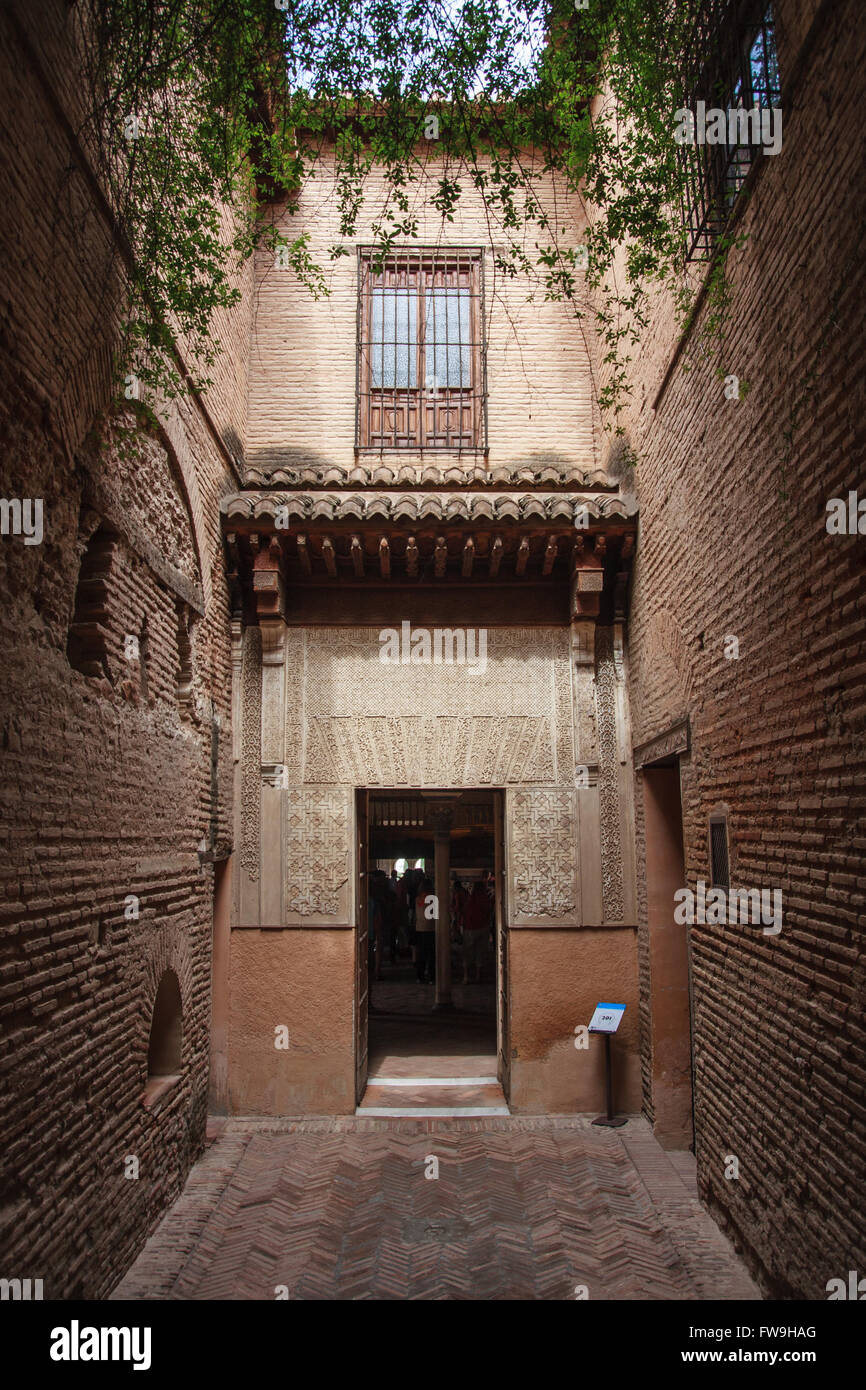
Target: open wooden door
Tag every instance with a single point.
(503, 1030)
(362, 973)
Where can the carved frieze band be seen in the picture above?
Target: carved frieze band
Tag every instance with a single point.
(608, 778)
(251, 793)
(429, 751)
(362, 722)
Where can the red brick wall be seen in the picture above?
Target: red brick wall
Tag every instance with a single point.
(733, 541)
(107, 790)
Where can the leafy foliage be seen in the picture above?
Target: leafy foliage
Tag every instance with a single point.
(201, 111)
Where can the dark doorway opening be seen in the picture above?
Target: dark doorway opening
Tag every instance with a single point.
(433, 957)
(669, 963)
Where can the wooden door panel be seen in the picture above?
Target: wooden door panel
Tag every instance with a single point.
(362, 982)
(503, 1011)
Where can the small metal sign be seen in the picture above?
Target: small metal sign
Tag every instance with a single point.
(607, 1018)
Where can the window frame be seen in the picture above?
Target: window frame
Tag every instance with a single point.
(724, 36)
(719, 818)
(421, 408)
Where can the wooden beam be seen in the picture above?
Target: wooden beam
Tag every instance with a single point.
(384, 558)
(329, 556)
(304, 555)
(468, 557)
(440, 556)
(412, 556)
(357, 552)
(522, 557)
(549, 556)
(232, 548)
(495, 557)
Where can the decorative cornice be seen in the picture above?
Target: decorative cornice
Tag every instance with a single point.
(309, 507)
(428, 475)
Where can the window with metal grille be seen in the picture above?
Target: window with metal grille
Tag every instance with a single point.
(732, 66)
(420, 357)
(720, 875)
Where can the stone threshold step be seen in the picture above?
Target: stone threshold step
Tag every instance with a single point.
(432, 1081)
(432, 1112)
(450, 1097)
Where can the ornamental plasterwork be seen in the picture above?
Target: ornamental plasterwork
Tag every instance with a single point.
(608, 778)
(251, 686)
(367, 723)
(543, 855)
(318, 840)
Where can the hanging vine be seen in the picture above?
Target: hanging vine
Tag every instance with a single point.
(198, 111)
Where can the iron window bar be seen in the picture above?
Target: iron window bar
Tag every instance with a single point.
(720, 874)
(420, 360)
(731, 64)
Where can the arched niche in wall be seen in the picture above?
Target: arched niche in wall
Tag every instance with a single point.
(165, 1044)
(87, 640)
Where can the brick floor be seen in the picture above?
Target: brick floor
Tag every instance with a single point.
(522, 1208)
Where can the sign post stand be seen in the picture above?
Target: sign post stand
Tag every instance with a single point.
(606, 1020)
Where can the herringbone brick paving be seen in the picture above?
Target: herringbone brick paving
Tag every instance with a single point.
(522, 1208)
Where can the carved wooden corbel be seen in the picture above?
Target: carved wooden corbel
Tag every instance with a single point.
(269, 591)
(587, 582)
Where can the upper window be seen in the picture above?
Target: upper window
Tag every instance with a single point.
(420, 360)
(733, 92)
(720, 873)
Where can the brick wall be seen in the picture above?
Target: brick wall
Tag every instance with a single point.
(302, 363)
(733, 542)
(107, 783)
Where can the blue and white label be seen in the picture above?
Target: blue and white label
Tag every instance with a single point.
(606, 1018)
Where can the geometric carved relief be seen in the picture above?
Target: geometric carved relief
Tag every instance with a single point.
(542, 831)
(608, 778)
(273, 695)
(429, 751)
(318, 844)
(294, 670)
(366, 723)
(583, 676)
(251, 791)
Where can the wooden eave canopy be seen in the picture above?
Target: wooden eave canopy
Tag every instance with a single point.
(279, 542)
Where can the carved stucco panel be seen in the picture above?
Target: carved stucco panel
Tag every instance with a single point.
(294, 699)
(273, 722)
(583, 676)
(563, 703)
(251, 751)
(543, 856)
(375, 724)
(608, 778)
(318, 854)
